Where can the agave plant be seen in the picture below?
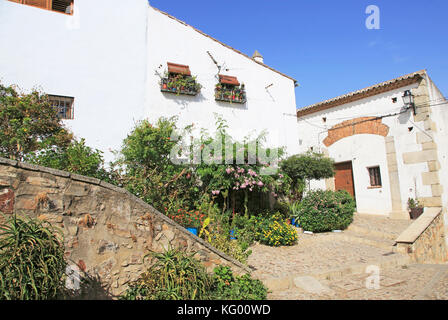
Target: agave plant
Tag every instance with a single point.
(175, 275)
(32, 263)
(294, 210)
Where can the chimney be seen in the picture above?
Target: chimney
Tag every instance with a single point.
(257, 56)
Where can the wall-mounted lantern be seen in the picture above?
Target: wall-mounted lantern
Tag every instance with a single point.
(408, 99)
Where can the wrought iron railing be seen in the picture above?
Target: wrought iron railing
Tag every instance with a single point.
(189, 87)
(236, 95)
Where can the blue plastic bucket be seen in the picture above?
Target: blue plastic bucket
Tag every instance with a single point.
(232, 235)
(294, 223)
(193, 231)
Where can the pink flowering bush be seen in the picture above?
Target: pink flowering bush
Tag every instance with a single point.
(238, 186)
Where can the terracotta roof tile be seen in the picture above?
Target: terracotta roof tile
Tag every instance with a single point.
(363, 93)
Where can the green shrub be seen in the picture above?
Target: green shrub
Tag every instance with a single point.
(32, 264)
(175, 275)
(76, 158)
(216, 231)
(245, 230)
(229, 287)
(275, 232)
(147, 169)
(283, 208)
(222, 242)
(28, 121)
(303, 167)
(322, 211)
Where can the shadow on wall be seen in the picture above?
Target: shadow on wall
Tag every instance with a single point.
(91, 288)
(404, 117)
(235, 106)
(183, 100)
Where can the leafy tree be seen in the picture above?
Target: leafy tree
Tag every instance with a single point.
(309, 166)
(76, 158)
(27, 122)
(240, 173)
(148, 171)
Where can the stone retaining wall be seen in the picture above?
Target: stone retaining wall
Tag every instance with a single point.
(108, 231)
(424, 240)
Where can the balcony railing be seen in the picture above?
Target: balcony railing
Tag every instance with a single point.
(188, 86)
(235, 95)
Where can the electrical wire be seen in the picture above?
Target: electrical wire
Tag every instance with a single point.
(429, 103)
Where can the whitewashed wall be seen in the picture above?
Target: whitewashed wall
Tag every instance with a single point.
(368, 150)
(96, 56)
(171, 41)
(106, 56)
(439, 114)
(358, 149)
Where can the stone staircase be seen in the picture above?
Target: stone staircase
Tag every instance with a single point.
(379, 239)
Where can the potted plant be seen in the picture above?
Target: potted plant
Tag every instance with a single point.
(294, 211)
(415, 208)
(190, 219)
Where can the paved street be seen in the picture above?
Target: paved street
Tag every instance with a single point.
(359, 263)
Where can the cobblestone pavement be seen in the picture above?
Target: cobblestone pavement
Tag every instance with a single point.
(409, 282)
(313, 254)
(350, 253)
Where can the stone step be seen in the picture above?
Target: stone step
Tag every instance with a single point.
(288, 282)
(353, 228)
(370, 240)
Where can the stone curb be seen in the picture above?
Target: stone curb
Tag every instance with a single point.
(418, 227)
(80, 178)
(8, 162)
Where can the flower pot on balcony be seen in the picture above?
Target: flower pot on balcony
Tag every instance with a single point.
(415, 212)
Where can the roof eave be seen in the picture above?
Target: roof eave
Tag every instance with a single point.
(363, 93)
(225, 45)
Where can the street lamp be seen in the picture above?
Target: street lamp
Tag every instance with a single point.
(408, 99)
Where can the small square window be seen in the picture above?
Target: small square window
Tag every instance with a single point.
(375, 176)
(64, 106)
(62, 6)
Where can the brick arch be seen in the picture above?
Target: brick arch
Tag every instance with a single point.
(362, 125)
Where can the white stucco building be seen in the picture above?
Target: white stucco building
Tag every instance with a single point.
(104, 59)
(384, 153)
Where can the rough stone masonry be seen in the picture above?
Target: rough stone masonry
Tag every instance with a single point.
(107, 231)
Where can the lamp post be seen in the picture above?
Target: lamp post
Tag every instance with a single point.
(408, 99)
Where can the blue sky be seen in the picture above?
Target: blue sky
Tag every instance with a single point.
(325, 45)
